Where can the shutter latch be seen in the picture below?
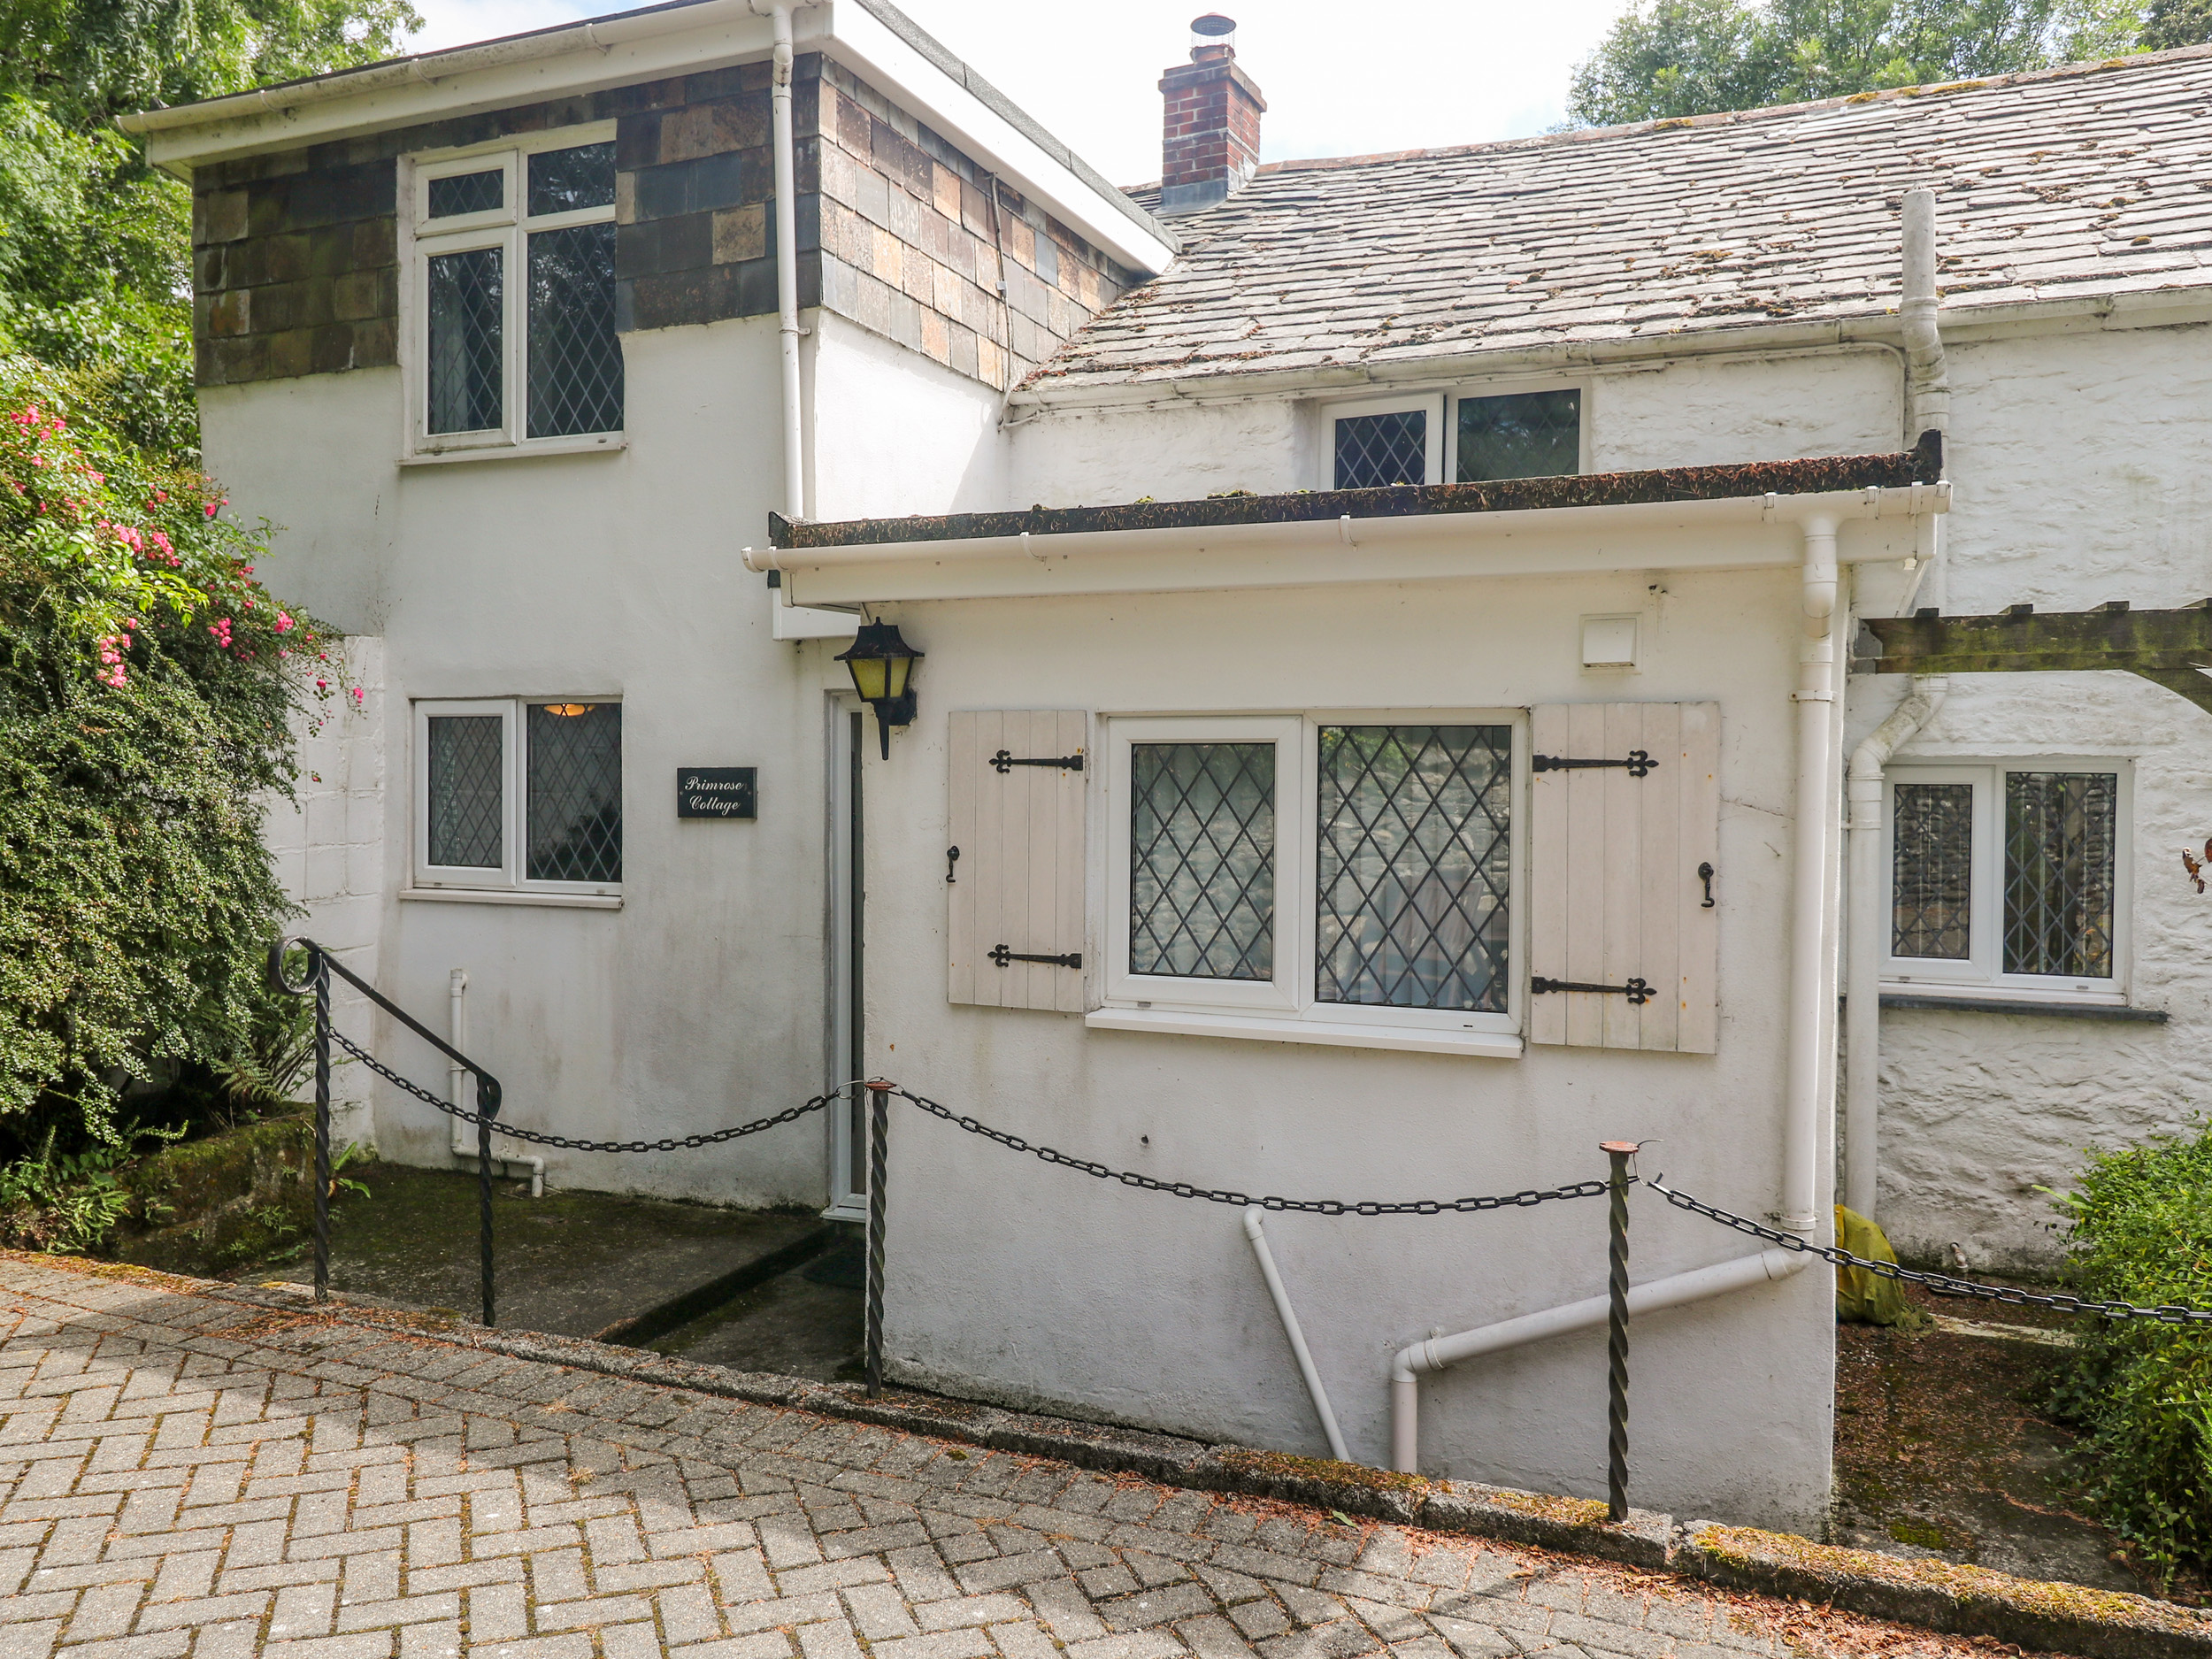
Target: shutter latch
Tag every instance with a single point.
(1004, 762)
(1001, 954)
(1636, 991)
(1638, 763)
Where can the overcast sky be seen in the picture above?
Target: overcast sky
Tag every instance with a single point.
(1339, 80)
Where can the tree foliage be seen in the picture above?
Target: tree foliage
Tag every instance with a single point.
(1665, 58)
(147, 687)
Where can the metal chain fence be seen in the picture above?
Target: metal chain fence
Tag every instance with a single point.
(1941, 1284)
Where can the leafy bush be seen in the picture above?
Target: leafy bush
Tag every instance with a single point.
(147, 687)
(69, 1202)
(2142, 1233)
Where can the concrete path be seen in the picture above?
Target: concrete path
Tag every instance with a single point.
(183, 1473)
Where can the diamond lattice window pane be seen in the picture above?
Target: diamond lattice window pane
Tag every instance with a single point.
(1202, 860)
(468, 193)
(1414, 856)
(575, 355)
(1375, 452)
(465, 335)
(1530, 434)
(1931, 910)
(2059, 842)
(466, 780)
(562, 180)
(575, 793)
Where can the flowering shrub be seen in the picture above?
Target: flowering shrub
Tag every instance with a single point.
(148, 684)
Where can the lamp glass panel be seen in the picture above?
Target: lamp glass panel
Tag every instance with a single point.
(869, 673)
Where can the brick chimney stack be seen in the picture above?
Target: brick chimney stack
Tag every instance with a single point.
(1211, 144)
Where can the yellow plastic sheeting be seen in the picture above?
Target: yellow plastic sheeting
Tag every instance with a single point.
(1865, 1298)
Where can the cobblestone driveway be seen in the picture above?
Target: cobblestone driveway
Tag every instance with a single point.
(187, 1474)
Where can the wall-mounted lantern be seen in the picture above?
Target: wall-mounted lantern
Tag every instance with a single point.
(882, 667)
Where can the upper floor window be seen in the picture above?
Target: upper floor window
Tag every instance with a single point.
(2007, 878)
(1431, 438)
(512, 336)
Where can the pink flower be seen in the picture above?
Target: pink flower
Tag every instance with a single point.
(322, 684)
(210, 510)
(358, 695)
(284, 624)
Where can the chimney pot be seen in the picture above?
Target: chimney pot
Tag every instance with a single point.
(1210, 133)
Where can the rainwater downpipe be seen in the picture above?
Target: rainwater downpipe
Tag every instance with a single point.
(788, 270)
(1863, 952)
(1927, 374)
(456, 993)
(1254, 1231)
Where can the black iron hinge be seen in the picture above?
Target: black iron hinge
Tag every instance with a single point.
(1004, 762)
(1003, 957)
(1638, 763)
(1636, 991)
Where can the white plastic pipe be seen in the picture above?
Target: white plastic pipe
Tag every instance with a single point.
(1675, 1291)
(788, 270)
(456, 1079)
(1254, 1230)
(1863, 949)
(1810, 961)
(1928, 387)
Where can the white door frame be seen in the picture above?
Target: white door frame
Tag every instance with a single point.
(848, 1134)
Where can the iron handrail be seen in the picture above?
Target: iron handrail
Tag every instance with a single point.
(320, 966)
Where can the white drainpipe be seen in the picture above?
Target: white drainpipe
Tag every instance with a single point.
(1927, 375)
(1864, 953)
(1306, 1368)
(1812, 1003)
(788, 269)
(456, 1076)
(1674, 1291)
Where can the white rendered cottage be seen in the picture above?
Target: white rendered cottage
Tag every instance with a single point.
(1362, 485)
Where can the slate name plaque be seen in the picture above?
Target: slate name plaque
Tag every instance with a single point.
(716, 791)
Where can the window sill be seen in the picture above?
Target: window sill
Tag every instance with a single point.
(608, 443)
(1491, 1044)
(508, 895)
(2050, 1009)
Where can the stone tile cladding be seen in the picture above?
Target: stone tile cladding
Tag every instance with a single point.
(295, 260)
(2076, 182)
(184, 1475)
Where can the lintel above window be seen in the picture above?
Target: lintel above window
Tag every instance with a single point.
(510, 297)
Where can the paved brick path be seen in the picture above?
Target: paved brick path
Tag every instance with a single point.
(186, 1474)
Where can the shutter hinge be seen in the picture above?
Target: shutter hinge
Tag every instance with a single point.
(1004, 762)
(1636, 991)
(1638, 763)
(1003, 957)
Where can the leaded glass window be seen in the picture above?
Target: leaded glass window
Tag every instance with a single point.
(1375, 452)
(575, 357)
(1932, 889)
(1202, 878)
(516, 338)
(468, 193)
(467, 777)
(2059, 872)
(1526, 435)
(1413, 865)
(466, 314)
(575, 791)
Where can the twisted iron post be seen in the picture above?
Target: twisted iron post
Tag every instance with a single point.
(320, 971)
(484, 1191)
(878, 1132)
(1616, 1333)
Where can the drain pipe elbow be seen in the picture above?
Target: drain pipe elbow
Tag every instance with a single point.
(1928, 385)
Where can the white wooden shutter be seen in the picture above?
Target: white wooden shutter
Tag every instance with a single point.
(1019, 881)
(1614, 894)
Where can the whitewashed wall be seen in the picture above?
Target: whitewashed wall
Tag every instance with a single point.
(2083, 469)
(1031, 1284)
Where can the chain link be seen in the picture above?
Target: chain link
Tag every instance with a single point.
(567, 1143)
(1941, 1284)
(1218, 1195)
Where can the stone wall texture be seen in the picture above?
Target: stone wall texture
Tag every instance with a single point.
(295, 255)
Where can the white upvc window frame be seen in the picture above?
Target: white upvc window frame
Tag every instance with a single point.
(507, 227)
(1285, 1006)
(510, 877)
(1474, 394)
(1980, 973)
(1429, 404)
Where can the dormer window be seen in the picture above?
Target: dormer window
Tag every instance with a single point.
(1435, 438)
(513, 290)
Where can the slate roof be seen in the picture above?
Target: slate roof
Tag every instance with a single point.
(2094, 180)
